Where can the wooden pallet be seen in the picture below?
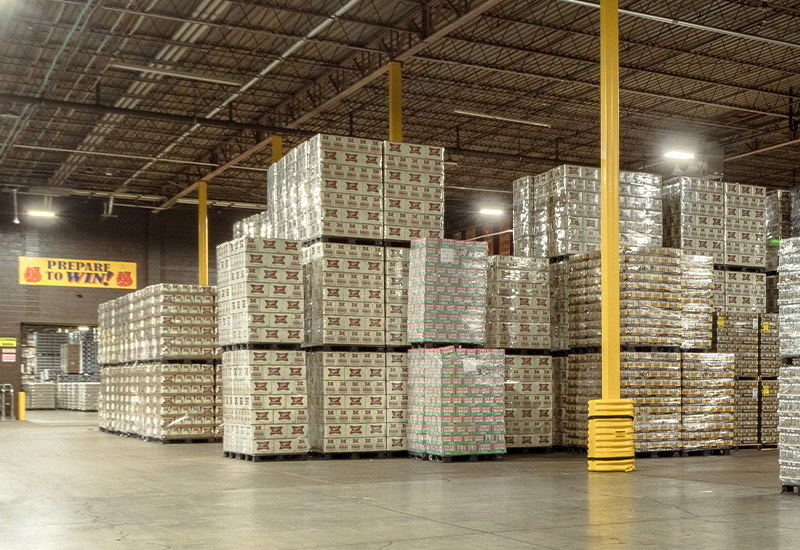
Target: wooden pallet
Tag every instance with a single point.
(266, 458)
(456, 458)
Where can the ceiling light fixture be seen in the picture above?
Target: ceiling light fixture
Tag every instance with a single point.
(679, 155)
(175, 74)
(491, 212)
(502, 118)
(42, 213)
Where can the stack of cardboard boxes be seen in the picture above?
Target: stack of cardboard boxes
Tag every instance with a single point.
(456, 402)
(789, 338)
(561, 215)
(707, 401)
(746, 413)
(413, 187)
(39, 395)
(447, 291)
(529, 401)
(344, 295)
(161, 401)
(456, 396)
(348, 401)
(261, 316)
(260, 291)
(160, 379)
(518, 314)
(165, 321)
(397, 261)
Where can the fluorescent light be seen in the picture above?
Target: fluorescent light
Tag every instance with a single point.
(41, 213)
(491, 212)
(502, 118)
(176, 74)
(679, 155)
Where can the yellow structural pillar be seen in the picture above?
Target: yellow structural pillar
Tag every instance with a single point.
(277, 148)
(202, 232)
(610, 418)
(21, 397)
(395, 101)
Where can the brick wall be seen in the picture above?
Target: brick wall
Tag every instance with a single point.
(164, 247)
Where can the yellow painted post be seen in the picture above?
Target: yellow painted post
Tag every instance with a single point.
(395, 101)
(609, 193)
(202, 232)
(611, 447)
(277, 148)
(21, 397)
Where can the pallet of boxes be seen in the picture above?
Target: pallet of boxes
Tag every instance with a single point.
(665, 305)
(518, 321)
(729, 222)
(355, 204)
(159, 375)
(456, 387)
(789, 377)
(263, 378)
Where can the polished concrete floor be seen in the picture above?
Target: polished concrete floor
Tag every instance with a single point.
(64, 485)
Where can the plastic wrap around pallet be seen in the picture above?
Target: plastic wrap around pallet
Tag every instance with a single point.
(337, 186)
(707, 400)
(344, 294)
(789, 297)
(697, 299)
(78, 396)
(259, 291)
(712, 218)
(265, 402)
(650, 298)
(779, 224)
(653, 382)
(789, 423)
(164, 321)
(746, 406)
(456, 401)
(518, 309)
(739, 334)
(529, 401)
(40, 395)
(447, 291)
(557, 213)
(169, 401)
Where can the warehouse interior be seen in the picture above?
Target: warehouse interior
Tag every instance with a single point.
(337, 273)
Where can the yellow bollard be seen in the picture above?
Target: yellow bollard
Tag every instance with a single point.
(611, 435)
(21, 397)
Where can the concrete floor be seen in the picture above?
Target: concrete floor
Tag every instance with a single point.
(64, 485)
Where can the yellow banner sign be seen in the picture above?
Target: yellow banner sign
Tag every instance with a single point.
(8, 342)
(80, 273)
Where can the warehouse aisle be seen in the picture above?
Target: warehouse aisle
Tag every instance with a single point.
(71, 487)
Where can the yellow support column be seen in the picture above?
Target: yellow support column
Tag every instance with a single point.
(21, 398)
(277, 148)
(202, 232)
(395, 101)
(610, 418)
